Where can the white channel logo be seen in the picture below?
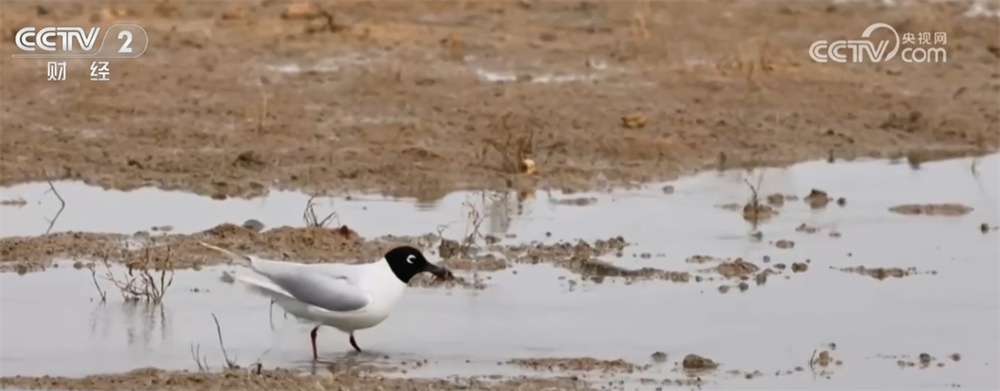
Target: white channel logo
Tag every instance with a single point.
(865, 49)
(119, 41)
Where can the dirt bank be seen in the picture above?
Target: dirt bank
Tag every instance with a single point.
(249, 379)
(402, 97)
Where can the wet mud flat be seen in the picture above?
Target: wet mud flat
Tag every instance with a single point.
(619, 304)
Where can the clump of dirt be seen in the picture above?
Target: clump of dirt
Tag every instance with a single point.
(696, 363)
(755, 211)
(823, 359)
(784, 244)
(278, 379)
(922, 360)
(882, 273)
(948, 209)
(736, 269)
(761, 278)
(817, 199)
(806, 228)
(776, 200)
(577, 364)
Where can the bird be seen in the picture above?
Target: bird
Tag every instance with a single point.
(343, 296)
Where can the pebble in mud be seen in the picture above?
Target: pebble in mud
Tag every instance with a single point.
(253, 225)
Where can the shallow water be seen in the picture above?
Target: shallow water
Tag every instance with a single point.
(50, 326)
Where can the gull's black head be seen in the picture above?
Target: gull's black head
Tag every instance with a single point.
(406, 262)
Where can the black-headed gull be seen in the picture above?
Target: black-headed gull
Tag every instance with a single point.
(342, 296)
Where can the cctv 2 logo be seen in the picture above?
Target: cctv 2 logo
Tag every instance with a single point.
(129, 41)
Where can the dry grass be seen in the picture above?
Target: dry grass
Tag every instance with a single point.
(311, 219)
(202, 361)
(147, 278)
(754, 210)
(517, 143)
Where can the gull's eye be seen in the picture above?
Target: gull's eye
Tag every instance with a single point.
(410, 258)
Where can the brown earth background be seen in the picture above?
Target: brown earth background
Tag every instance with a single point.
(388, 99)
(233, 98)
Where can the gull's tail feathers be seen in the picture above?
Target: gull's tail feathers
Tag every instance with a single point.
(263, 286)
(267, 267)
(246, 260)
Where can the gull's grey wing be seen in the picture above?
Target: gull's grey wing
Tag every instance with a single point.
(323, 290)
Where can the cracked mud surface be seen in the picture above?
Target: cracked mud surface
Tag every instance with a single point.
(393, 97)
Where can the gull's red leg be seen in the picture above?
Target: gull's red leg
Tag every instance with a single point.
(312, 335)
(355, 344)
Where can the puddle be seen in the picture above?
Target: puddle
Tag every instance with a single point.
(768, 329)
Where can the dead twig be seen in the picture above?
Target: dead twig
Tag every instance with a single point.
(147, 278)
(310, 218)
(231, 364)
(62, 204)
(472, 230)
(202, 361)
(517, 145)
(93, 276)
(754, 211)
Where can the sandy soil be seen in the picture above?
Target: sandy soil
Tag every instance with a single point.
(386, 96)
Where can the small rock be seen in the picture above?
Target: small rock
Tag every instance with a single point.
(253, 225)
(659, 357)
